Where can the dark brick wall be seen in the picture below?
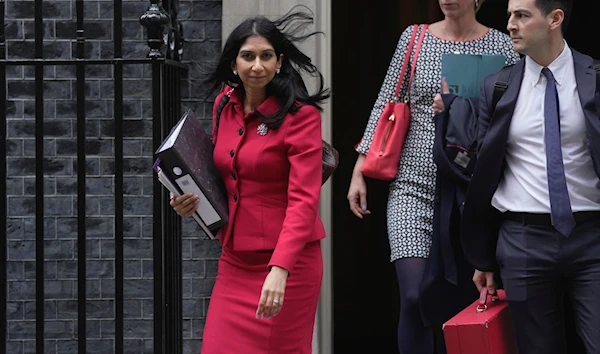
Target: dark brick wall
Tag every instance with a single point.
(202, 29)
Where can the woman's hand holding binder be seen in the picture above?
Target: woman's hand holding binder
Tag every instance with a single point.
(185, 205)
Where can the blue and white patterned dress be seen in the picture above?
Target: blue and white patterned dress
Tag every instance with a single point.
(410, 201)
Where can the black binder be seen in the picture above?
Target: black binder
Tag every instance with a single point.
(186, 158)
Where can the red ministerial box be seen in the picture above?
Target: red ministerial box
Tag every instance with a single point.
(484, 327)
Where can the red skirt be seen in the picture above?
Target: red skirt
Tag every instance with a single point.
(231, 323)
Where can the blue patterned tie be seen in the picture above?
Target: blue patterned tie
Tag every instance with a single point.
(560, 204)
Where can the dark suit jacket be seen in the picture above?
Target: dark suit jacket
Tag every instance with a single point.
(447, 273)
(480, 220)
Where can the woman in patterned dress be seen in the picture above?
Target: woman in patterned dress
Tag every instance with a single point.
(411, 194)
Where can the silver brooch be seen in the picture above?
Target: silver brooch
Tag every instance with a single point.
(262, 129)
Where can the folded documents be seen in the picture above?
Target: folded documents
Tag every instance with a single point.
(185, 165)
(464, 73)
(171, 187)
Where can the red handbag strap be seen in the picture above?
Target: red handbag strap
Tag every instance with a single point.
(417, 50)
(407, 59)
(405, 63)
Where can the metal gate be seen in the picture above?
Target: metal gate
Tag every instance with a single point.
(166, 72)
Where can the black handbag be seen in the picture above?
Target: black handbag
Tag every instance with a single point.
(331, 157)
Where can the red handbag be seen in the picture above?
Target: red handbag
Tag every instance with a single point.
(384, 154)
(484, 327)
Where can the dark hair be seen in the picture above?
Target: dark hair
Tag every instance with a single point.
(547, 6)
(288, 86)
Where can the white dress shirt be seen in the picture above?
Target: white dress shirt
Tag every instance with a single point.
(524, 186)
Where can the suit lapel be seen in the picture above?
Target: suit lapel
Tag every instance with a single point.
(506, 105)
(590, 103)
(492, 149)
(586, 85)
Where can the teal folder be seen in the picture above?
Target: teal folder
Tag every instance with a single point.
(464, 73)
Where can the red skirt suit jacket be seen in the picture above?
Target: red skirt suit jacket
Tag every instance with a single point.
(273, 181)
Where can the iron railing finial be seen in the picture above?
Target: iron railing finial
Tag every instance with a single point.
(155, 19)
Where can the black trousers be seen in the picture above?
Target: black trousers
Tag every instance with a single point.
(539, 266)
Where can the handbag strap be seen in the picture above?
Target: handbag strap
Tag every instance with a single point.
(222, 104)
(407, 60)
(224, 101)
(414, 61)
(405, 63)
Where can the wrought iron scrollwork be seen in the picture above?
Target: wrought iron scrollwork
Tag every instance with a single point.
(155, 19)
(174, 36)
(174, 41)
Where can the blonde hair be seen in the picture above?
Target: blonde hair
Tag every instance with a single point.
(478, 4)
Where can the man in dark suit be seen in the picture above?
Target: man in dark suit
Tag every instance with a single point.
(533, 204)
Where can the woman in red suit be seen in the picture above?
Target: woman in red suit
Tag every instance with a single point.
(268, 150)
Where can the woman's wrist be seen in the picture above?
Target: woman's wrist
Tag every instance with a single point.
(358, 165)
(280, 270)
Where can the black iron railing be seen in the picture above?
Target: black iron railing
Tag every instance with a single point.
(167, 72)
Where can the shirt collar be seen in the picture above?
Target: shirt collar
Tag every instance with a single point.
(557, 67)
